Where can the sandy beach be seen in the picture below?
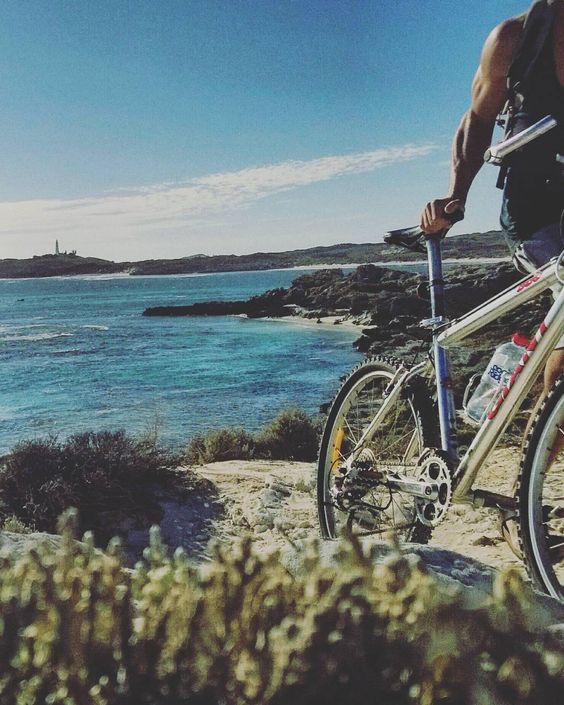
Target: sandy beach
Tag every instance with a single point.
(345, 321)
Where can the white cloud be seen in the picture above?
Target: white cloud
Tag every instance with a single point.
(172, 205)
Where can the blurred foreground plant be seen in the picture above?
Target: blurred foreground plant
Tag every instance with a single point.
(75, 628)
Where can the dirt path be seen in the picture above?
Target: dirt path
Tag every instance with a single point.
(276, 502)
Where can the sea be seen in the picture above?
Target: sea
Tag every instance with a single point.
(77, 354)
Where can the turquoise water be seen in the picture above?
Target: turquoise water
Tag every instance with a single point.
(76, 354)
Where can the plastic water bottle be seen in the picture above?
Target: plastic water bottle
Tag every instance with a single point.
(497, 373)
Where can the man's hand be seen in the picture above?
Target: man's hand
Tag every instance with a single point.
(435, 216)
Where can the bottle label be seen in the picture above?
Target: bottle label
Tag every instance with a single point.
(496, 372)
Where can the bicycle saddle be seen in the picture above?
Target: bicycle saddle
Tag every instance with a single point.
(414, 238)
(411, 238)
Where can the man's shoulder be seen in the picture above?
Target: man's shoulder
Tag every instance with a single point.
(502, 42)
(508, 32)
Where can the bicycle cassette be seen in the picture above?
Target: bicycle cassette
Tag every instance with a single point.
(433, 468)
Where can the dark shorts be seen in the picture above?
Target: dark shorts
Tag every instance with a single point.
(542, 246)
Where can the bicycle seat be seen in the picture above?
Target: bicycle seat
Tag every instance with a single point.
(411, 238)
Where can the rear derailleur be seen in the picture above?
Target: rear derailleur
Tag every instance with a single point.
(430, 486)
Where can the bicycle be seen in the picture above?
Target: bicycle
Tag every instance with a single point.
(389, 456)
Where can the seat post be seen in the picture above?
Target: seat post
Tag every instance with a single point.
(436, 282)
(445, 397)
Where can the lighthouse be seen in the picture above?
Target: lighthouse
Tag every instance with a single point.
(57, 247)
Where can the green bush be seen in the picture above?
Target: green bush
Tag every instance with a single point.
(217, 445)
(77, 629)
(98, 473)
(292, 435)
(14, 526)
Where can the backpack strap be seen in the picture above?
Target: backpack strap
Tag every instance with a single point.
(536, 31)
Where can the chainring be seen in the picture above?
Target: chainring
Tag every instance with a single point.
(433, 467)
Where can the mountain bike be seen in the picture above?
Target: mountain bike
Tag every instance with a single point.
(389, 456)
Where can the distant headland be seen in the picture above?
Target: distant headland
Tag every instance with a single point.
(469, 246)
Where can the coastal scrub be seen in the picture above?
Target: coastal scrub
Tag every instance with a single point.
(108, 476)
(291, 435)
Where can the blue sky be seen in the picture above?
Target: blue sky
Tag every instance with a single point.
(162, 128)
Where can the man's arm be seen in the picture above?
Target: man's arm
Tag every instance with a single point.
(474, 134)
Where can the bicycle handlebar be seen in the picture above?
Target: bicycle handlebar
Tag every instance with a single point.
(498, 152)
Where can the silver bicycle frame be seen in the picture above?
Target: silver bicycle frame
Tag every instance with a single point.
(522, 379)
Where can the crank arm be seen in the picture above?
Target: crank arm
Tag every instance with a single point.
(423, 490)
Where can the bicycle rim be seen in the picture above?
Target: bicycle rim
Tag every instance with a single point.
(541, 497)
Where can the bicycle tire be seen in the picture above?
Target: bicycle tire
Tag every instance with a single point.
(418, 415)
(540, 497)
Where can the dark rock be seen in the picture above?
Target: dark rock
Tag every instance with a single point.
(418, 333)
(404, 322)
(254, 308)
(408, 306)
(399, 339)
(359, 304)
(363, 344)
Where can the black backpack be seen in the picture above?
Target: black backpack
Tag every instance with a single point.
(536, 30)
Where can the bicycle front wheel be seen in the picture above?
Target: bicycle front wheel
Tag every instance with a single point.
(540, 496)
(395, 446)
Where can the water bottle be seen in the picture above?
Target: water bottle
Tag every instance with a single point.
(497, 373)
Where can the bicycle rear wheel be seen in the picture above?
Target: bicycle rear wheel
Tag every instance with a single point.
(540, 496)
(408, 428)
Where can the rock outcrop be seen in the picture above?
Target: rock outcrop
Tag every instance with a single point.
(269, 304)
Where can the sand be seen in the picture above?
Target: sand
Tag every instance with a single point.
(334, 322)
(276, 502)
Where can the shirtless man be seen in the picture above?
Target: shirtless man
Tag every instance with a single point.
(530, 212)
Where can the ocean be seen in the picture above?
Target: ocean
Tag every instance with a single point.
(76, 354)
